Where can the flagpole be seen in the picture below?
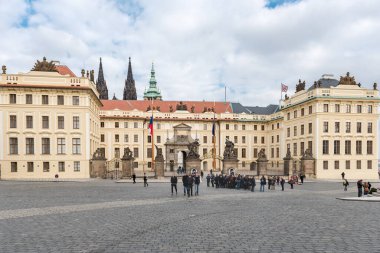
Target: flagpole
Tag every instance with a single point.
(214, 142)
(152, 135)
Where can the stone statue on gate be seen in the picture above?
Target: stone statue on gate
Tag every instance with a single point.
(288, 154)
(159, 155)
(193, 150)
(128, 155)
(98, 155)
(307, 154)
(261, 155)
(229, 151)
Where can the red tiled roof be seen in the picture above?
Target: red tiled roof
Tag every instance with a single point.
(142, 105)
(64, 70)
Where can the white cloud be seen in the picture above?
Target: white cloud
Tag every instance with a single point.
(198, 45)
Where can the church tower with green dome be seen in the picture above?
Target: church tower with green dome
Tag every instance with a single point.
(153, 93)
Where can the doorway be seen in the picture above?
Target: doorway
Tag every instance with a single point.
(181, 162)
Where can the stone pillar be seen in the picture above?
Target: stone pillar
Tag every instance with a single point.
(262, 167)
(127, 167)
(308, 164)
(287, 165)
(159, 167)
(193, 163)
(98, 168)
(231, 163)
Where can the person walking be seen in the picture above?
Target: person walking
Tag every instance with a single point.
(202, 174)
(190, 182)
(253, 182)
(302, 177)
(360, 187)
(173, 181)
(208, 178)
(197, 181)
(145, 180)
(343, 174)
(269, 182)
(212, 180)
(291, 182)
(185, 182)
(345, 184)
(263, 182)
(134, 178)
(282, 182)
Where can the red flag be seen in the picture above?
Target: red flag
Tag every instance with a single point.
(151, 126)
(284, 88)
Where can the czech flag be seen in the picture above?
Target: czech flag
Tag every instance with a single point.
(150, 127)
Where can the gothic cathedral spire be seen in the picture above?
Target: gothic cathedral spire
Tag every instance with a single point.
(101, 84)
(129, 87)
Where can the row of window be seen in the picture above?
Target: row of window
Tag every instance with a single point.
(359, 108)
(45, 122)
(45, 146)
(347, 165)
(45, 99)
(347, 147)
(302, 147)
(126, 125)
(302, 130)
(348, 127)
(295, 113)
(45, 166)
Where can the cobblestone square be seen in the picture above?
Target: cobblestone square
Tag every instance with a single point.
(104, 216)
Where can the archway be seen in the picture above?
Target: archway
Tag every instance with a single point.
(181, 161)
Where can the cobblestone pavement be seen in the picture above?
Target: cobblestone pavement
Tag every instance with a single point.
(103, 216)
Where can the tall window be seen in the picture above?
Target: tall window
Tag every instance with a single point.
(347, 147)
(348, 164)
(76, 145)
(337, 108)
(325, 127)
(348, 127)
(262, 128)
(336, 147)
(117, 152)
(254, 139)
(325, 165)
(243, 139)
(302, 151)
(227, 126)
(295, 148)
(102, 124)
(359, 165)
(126, 138)
(158, 139)
(358, 127)
(61, 122)
(369, 127)
(336, 165)
(205, 139)
(149, 139)
(310, 146)
(46, 166)
(337, 127)
(272, 153)
(116, 124)
(325, 108)
(243, 127)
(45, 99)
(205, 127)
(278, 152)
(135, 125)
(61, 146)
(125, 124)
(295, 114)
(358, 147)
(369, 164)
(13, 146)
(348, 108)
(310, 109)
(29, 121)
(12, 121)
(263, 140)
(302, 112)
(102, 138)
(310, 128)
(45, 146)
(369, 147)
(61, 166)
(325, 147)
(76, 166)
(255, 127)
(295, 130)
(302, 129)
(136, 152)
(359, 109)
(30, 166)
(29, 146)
(370, 109)
(255, 152)
(288, 116)
(13, 166)
(45, 122)
(117, 138)
(28, 99)
(288, 132)
(75, 100)
(75, 122)
(243, 153)
(12, 98)
(60, 100)
(135, 138)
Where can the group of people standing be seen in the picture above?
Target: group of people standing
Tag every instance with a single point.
(363, 185)
(189, 181)
(245, 182)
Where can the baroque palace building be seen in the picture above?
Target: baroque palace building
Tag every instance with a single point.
(53, 122)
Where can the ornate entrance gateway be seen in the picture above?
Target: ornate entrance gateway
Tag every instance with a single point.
(177, 148)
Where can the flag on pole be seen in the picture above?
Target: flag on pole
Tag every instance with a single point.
(284, 88)
(213, 129)
(150, 126)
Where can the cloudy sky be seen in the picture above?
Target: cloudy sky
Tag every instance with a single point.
(251, 46)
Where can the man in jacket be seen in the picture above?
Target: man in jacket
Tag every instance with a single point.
(145, 180)
(197, 181)
(253, 182)
(190, 182)
(208, 178)
(282, 182)
(173, 181)
(185, 182)
(263, 182)
(360, 187)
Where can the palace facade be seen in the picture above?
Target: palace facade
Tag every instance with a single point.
(52, 122)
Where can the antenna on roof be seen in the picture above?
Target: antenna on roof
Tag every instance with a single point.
(225, 94)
